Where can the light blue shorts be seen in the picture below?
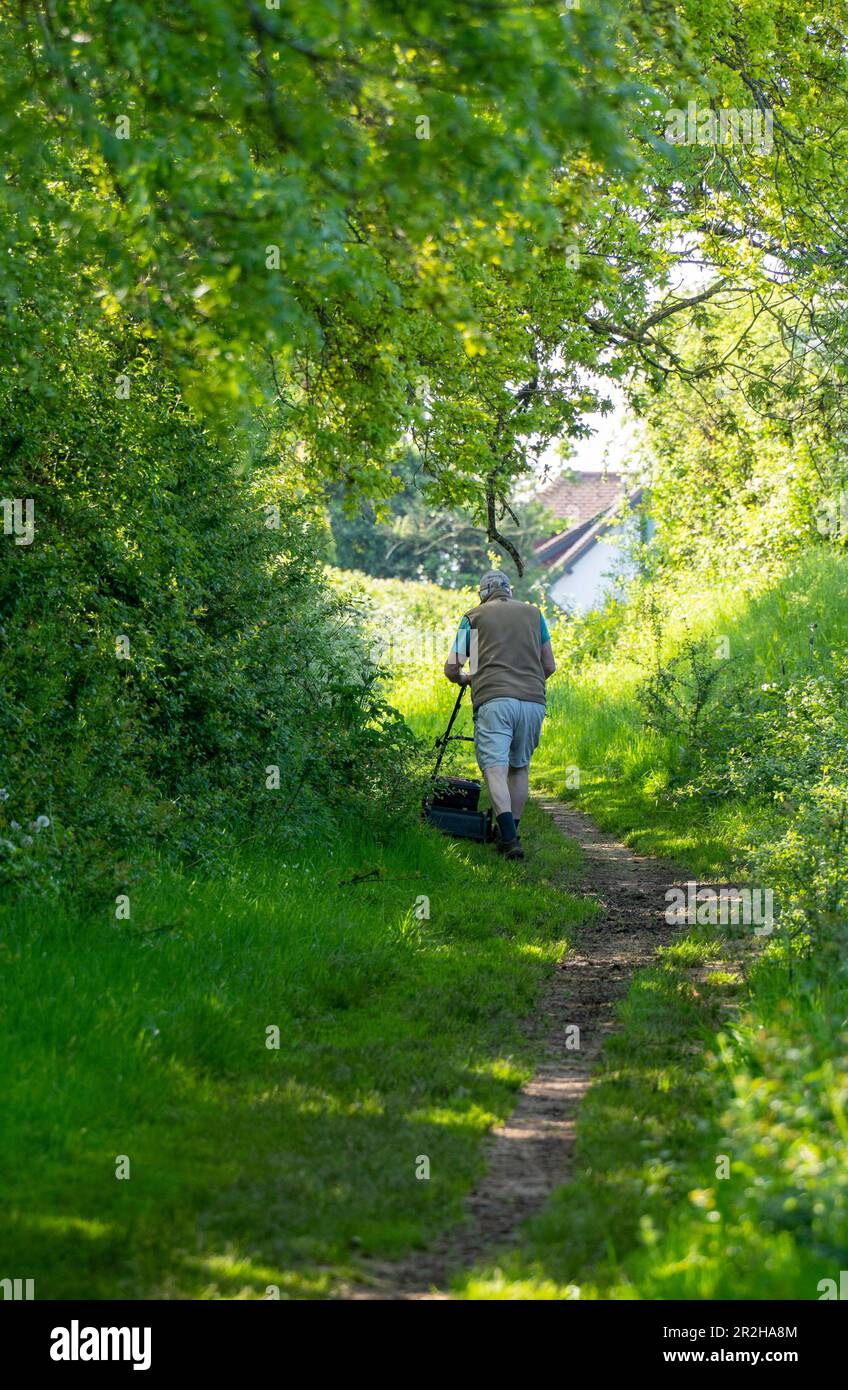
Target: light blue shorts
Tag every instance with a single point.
(507, 732)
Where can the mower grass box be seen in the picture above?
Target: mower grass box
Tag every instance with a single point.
(452, 806)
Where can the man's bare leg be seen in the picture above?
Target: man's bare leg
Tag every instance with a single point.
(518, 782)
(497, 785)
(497, 782)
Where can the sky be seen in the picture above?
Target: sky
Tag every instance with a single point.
(610, 448)
(613, 442)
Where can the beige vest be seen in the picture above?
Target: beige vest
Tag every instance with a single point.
(506, 651)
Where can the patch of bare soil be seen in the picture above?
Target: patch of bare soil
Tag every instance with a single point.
(531, 1154)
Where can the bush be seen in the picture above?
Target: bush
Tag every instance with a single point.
(164, 641)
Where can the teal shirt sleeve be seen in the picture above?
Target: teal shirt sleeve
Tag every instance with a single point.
(461, 642)
(546, 636)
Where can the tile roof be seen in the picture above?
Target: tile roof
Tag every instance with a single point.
(582, 496)
(582, 501)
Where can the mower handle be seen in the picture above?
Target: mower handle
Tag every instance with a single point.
(442, 743)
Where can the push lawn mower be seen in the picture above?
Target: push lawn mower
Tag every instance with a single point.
(452, 804)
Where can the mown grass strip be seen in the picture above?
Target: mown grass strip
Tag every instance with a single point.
(400, 1036)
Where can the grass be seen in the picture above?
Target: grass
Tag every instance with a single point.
(595, 729)
(646, 1143)
(679, 1193)
(598, 754)
(651, 1214)
(400, 1036)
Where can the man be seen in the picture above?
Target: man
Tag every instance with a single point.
(509, 648)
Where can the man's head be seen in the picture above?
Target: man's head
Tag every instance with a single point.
(494, 582)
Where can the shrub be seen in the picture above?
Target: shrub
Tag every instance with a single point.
(162, 644)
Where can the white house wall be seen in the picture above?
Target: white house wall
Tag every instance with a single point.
(593, 576)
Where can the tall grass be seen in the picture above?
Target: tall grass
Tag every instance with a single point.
(793, 622)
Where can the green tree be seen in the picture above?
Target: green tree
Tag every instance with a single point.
(408, 537)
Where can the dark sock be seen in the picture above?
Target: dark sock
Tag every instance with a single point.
(507, 826)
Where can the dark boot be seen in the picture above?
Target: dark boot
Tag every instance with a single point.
(510, 849)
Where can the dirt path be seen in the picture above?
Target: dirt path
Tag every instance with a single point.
(531, 1154)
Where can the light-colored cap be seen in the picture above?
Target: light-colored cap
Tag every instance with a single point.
(494, 582)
